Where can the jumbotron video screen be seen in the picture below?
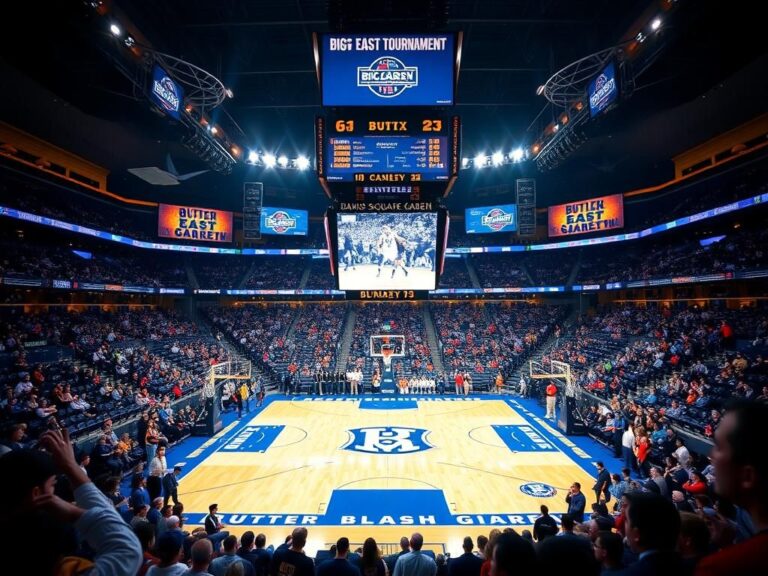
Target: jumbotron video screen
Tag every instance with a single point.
(387, 251)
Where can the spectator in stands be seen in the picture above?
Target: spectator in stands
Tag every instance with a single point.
(292, 561)
(693, 541)
(609, 551)
(657, 483)
(415, 563)
(214, 528)
(513, 555)
(221, 565)
(33, 509)
(201, 555)
(740, 457)
(371, 563)
(467, 564)
(339, 566)
(544, 526)
(652, 528)
(170, 547)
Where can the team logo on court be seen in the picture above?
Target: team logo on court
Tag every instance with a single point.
(167, 93)
(538, 490)
(280, 222)
(496, 219)
(388, 440)
(387, 77)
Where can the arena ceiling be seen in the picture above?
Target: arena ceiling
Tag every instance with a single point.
(262, 49)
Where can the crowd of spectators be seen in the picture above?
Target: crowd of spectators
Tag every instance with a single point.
(677, 520)
(455, 274)
(679, 365)
(499, 270)
(317, 333)
(396, 319)
(274, 272)
(39, 260)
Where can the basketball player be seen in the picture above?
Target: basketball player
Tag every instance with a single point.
(389, 246)
(349, 256)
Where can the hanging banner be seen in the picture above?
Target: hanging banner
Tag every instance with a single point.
(585, 216)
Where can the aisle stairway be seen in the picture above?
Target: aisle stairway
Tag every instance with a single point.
(432, 340)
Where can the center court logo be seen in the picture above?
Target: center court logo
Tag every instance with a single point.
(387, 77)
(388, 440)
(496, 219)
(280, 222)
(538, 490)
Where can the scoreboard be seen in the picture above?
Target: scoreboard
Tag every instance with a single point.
(388, 150)
(419, 158)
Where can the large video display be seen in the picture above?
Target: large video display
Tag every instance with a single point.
(387, 251)
(284, 221)
(387, 69)
(193, 223)
(489, 219)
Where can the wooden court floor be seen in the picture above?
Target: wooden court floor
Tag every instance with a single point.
(386, 467)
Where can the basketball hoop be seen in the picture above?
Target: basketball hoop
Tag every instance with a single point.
(386, 355)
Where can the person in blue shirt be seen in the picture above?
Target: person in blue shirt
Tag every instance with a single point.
(415, 563)
(577, 502)
(338, 566)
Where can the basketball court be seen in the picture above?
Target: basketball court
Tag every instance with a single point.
(384, 466)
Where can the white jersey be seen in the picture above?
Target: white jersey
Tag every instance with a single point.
(388, 247)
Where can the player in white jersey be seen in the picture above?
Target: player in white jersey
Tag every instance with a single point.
(389, 246)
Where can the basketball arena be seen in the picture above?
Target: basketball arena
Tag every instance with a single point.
(409, 288)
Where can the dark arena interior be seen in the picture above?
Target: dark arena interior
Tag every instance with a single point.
(409, 287)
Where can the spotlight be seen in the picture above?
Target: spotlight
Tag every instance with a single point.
(497, 158)
(270, 160)
(517, 155)
(656, 24)
(115, 29)
(253, 157)
(479, 161)
(283, 161)
(302, 162)
(464, 162)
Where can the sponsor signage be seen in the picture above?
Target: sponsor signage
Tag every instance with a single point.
(166, 93)
(603, 90)
(284, 221)
(485, 219)
(585, 216)
(193, 223)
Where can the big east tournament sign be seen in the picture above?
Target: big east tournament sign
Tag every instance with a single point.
(595, 215)
(387, 69)
(192, 223)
